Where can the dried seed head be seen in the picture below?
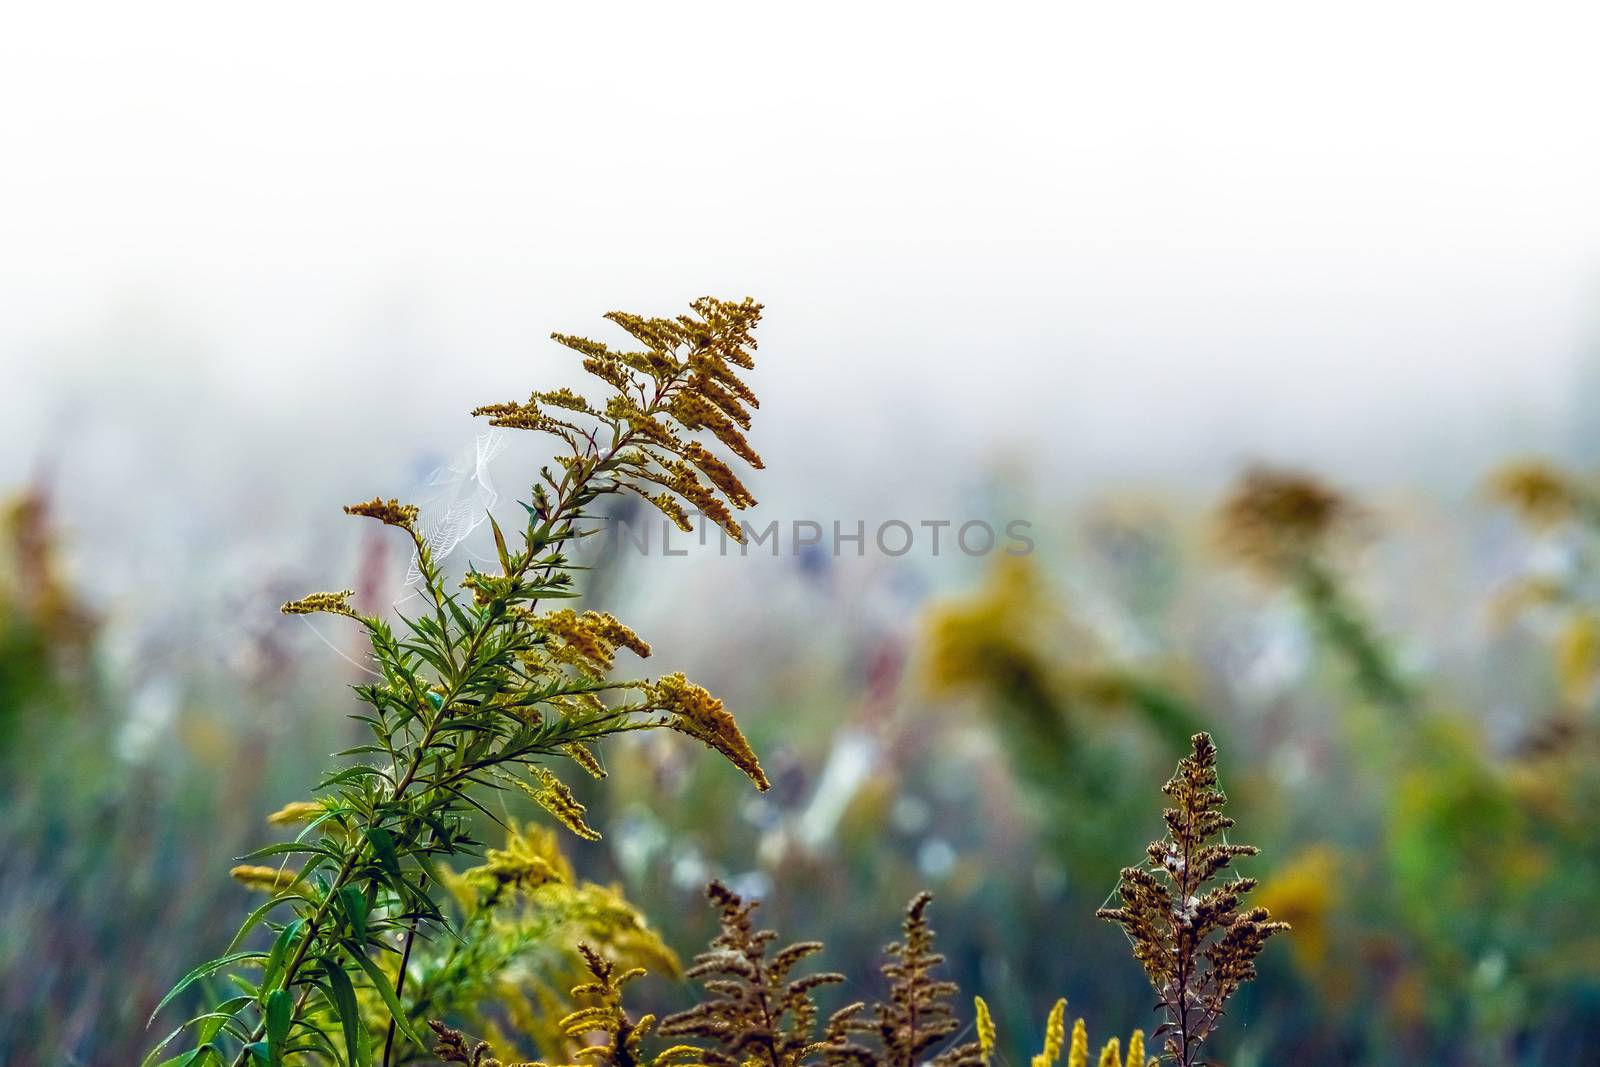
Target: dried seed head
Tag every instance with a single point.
(1275, 519)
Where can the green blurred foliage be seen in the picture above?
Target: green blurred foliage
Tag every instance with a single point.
(1422, 777)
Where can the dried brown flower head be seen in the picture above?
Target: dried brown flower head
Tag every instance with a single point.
(1275, 519)
(455, 1047)
(755, 1009)
(1541, 493)
(918, 1014)
(1196, 945)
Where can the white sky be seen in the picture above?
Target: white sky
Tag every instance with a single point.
(1146, 238)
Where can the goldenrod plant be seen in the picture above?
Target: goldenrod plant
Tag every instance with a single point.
(519, 919)
(45, 631)
(1055, 1041)
(1286, 527)
(1196, 944)
(486, 688)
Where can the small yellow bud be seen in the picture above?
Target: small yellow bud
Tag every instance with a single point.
(264, 879)
(296, 811)
(1078, 1055)
(985, 1028)
(391, 512)
(333, 603)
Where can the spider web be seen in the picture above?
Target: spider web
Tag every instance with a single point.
(456, 499)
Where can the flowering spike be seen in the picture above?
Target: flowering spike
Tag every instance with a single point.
(985, 1027)
(332, 603)
(264, 879)
(693, 711)
(1078, 1054)
(390, 512)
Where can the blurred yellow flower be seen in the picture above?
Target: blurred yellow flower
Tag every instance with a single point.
(1304, 893)
(1540, 493)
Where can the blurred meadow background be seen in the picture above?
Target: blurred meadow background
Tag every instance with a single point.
(1082, 267)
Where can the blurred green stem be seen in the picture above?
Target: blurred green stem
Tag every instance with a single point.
(1341, 623)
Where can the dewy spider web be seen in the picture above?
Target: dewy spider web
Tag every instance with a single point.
(456, 499)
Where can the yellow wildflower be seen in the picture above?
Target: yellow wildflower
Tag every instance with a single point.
(1578, 658)
(589, 641)
(1136, 1049)
(1302, 893)
(553, 796)
(1078, 1054)
(694, 711)
(333, 603)
(530, 859)
(1542, 494)
(391, 512)
(1054, 1033)
(586, 759)
(985, 1026)
(264, 879)
(296, 811)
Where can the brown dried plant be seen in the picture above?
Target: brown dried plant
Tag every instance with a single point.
(757, 1013)
(1188, 931)
(754, 1009)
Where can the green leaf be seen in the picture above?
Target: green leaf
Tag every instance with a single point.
(383, 847)
(280, 950)
(343, 995)
(207, 968)
(220, 1016)
(153, 1053)
(280, 1008)
(500, 546)
(187, 1059)
(350, 774)
(380, 982)
(355, 911)
(260, 913)
(285, 848)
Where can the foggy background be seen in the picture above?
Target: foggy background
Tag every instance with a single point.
(259, 265)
